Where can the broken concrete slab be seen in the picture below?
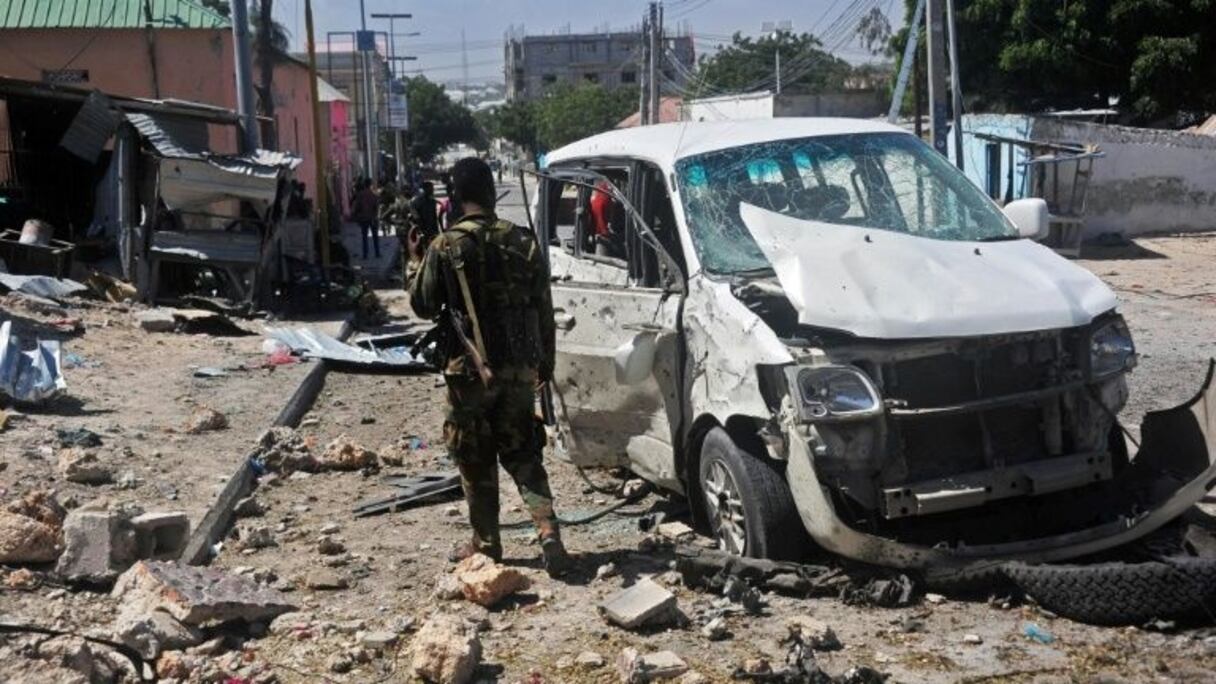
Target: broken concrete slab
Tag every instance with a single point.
(446, 649)
(343, 454)
(152, 633)
(198, 596)
(646, 602)
(156, 320)
(589, 660)
(160, 536)
(27, 540)
(378, 639)
(325, 580)
(256, 537)
(635, 668)
(485, 582)
(98, 546)
(675, 530)
(83, 467)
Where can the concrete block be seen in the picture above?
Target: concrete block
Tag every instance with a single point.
(98, 546)
(161, 536)
(485, 582)
(445, 649)
(156, 320)
(635, 668)
(675, 530)
(646, 602)
(198, 596)
(152, 633)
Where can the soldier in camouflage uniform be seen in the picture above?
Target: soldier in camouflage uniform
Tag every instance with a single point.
(496, 267)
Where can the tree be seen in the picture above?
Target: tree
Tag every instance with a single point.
(220, 7)
(1156, 58)
(435, 120)
(514, 122)
(748, 65)
(568, 113)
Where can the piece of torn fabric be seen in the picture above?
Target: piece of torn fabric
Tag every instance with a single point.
(41, 286)
(29, 375)
(314, 344)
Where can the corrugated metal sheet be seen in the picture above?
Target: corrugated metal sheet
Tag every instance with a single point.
(172, 136)
(316, 344)
(91, 128)
(209, 245)
(114, 14)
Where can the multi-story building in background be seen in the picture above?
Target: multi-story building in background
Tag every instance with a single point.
(536, 63)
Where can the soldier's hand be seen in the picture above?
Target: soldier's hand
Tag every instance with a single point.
(413, 241)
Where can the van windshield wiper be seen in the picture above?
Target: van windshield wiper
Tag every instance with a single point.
(999, 238)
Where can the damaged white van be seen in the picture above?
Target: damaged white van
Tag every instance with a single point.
(823, 335)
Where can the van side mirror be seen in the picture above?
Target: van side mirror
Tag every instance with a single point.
(1029, 216)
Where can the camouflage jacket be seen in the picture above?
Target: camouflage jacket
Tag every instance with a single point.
(509, 285)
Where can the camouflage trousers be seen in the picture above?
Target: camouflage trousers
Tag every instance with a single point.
(498, 424)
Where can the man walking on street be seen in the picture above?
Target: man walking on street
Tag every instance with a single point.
(365, 212)
(490, 273)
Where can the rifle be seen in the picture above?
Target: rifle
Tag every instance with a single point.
(470, 349)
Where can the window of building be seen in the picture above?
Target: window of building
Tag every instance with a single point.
(550, 47)
(590, 47)
(548, 79)
(629, 77)
(591, 78)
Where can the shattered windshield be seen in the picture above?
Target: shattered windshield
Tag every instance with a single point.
(883, 181)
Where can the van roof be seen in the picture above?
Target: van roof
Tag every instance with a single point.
(663, 144)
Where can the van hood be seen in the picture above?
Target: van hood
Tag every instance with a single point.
(881, 284)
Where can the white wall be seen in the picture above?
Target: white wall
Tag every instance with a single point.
(756, 106)
(1149, 181)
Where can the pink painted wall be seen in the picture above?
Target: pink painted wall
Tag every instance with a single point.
(192, 64)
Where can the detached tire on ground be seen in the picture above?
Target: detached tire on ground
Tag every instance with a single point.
(747, 494)
(1122, 593)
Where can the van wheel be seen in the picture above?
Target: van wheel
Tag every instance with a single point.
(748, 503)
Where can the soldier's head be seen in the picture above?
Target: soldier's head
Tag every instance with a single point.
(428, 188)
(473, 184)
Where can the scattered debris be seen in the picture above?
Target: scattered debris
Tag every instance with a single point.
(154, 632)
(205, 419)
(110, 288)
(98, 546)
(156, 320)
(249, 507)
(485, 582)
(208, 372)
(160, 536)
(715, 629)
(22, 579)
(83, 438)
(343, 454)
(414, 489)
(606, 570)
(675, 531)
(83, 467)
(635, 668)
(394, 353)
(198, 596)
(813, 633)
(644, 603)
(327, 545)
(41, 285)
(1037, 633)
(972, 639)
(29, 375)
(27, 540)
(935, 599)
(326, 580)
(883, 592)
(256, 537)
(448, 587)
(40, 505)
(589, 660)
(445, 649)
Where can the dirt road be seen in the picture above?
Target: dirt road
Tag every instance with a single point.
(137, 389)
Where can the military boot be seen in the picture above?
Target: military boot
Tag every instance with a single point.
(557, 561)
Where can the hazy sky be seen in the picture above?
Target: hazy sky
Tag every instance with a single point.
(485, 22)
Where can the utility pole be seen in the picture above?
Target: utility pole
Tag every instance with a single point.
(778, 61)
(398, 153)
(322, 185)
(643, 75)
(656, 38)
(464, 69)
(370, 163)
(936, 48)
(956, 91)
(906, 64)
(244, 76)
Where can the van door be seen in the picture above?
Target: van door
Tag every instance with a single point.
(616, 292)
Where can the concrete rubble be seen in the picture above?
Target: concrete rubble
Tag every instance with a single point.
(813, 632)
(445, 649)
(635, 668)
(27, 540)
(205, 419)
(83, 467)
(153, 632)
(644, 603)
(485, 582)
(197, 596)
(100, 543)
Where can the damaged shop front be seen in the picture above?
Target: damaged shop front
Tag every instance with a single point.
(135, 188)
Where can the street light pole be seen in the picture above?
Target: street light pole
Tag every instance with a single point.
(369, 163)
(250, 140)
(392, 69)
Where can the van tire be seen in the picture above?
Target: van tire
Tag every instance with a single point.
(1122, 593)
(772, 527)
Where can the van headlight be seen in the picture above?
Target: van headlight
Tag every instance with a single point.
(1111, 349)
(835, 392)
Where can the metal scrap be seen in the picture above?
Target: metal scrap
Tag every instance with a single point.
(385, 351)
(29, 375)
(41, 286)
(414, 489)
